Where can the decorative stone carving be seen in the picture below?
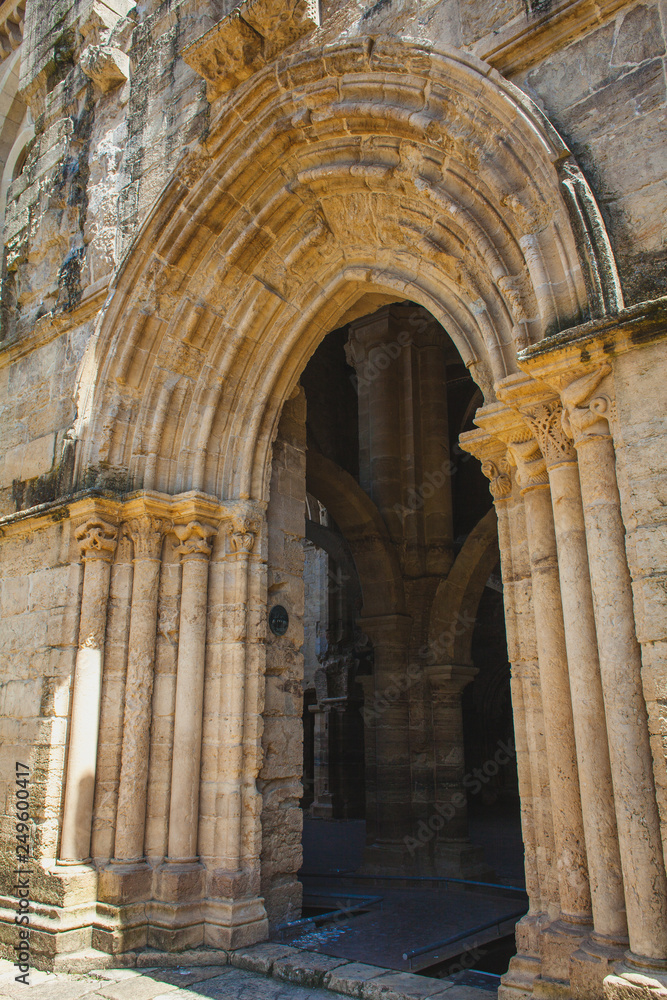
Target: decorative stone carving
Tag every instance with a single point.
(146, 533)
(193, 539)
(243, 530)
(531, 468)
(584, 416)
(545, 421)
(97, 540)
(500, 478)
(244, 41)
(11, 27)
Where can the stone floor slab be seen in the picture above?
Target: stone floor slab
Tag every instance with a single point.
(260, 957)
(400, 986)
(349, 979)
(50, 988)
(306, 968)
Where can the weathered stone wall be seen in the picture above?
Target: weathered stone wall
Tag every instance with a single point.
(282, 740)
(641, 403)
(39, 597)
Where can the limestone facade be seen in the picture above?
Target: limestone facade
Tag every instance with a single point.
(195, 195)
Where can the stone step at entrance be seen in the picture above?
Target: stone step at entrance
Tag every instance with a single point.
(262, 972)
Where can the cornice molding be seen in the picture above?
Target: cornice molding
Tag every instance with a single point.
(529, 38)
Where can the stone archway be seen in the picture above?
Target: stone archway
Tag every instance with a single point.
(372, 168)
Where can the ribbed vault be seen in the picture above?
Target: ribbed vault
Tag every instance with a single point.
(369, 168)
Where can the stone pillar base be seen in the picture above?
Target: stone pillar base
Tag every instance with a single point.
(120, 929)
(175, 927)
(235, 923)
(558, 941)
(322, 808)
(179, 882)
(634, 980)
(121, 884)
(444, 859)
(589, 966)
(455, 860)
(519, 980)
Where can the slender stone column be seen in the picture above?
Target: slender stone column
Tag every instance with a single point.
(97, 542)
(571, 859)
(194, 549)
(146, 532)
(604, 863)
(242, 531)
(585, 420)
(500, 486)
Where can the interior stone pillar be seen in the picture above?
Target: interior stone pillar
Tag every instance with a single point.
(129, 877)
(392, 821)
(562, 937)
(586, 421)
(453, 854)
(181, 875)
(433, 433)
(97, 543)
(373, 349)
(597, 794)
(322, 807)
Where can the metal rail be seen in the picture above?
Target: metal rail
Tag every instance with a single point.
(408, 956)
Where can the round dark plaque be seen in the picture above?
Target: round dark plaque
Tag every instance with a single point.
(278, 619)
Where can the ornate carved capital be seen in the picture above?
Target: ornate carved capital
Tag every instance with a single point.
(254, 33)
(193, 539)
(243, 529)
(500, 478)
(531, 468)
(586, 415)
(545, 421)
(146, 533)
(97, 540)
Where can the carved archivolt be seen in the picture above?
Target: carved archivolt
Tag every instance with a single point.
(326, 180)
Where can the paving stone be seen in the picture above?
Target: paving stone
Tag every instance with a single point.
(400, 986)
(349, 979)
(306, 968)
(139, 988)
(260, 957)
(53, 988)
(236, 984)
(461, 992)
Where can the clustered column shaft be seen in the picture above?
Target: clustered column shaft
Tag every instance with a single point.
(599, 816)
(620, 665)
(147, 533)
(97, 542)
(194, 549)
